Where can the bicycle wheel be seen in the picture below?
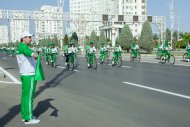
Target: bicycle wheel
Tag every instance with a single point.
(162, 59)
(113, 62)
(131, 58)
(106, 60)
(119, 62)
(94, 63)
(139, 58)
(172, 59)
(76, 62)
(185, 57)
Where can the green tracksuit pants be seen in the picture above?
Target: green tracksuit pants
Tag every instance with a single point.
(28, 91)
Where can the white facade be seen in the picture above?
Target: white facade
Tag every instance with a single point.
(90, 7)
(111, 7)
(48, 28)
(16, 28)
(135, 7)
(4, 34)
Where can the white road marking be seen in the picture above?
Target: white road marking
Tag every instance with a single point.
(158, 90)
(61, 67)
(65, 67)
(10, 76)
(121, 66)
(9, 82)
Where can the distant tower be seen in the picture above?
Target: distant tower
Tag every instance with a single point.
(172, 21)
(60, 4)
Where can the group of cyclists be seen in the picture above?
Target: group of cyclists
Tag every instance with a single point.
(8, 50)
(71, 51)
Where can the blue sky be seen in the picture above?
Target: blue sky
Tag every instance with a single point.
(155, 7)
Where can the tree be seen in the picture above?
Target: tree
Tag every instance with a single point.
(126, 38)
(93, 37)
(65, 40)
(86, 40)
(102, 39)
(74, 38)
(146, 39)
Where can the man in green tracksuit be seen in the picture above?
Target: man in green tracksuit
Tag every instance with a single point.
(26, 62)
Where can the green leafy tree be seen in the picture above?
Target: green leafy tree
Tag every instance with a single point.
(74, 38)
(65, 40)
(93, 37)
(146, 39)
(126, 38)
(86, 40)
(102, 39)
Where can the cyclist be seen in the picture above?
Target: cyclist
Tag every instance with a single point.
(90, 52)
(160, 50)
(87, 48)
(65, 49)
(53, 53)
(103, 52)
(166, 49)
(188, 51)
(47, 52)
(70, 54)
(116, 53)
(135, 49)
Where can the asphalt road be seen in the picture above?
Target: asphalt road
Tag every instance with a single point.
(135, 95)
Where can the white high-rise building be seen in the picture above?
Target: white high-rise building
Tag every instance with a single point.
(90, 7)
(4, 34)
(110, 7)
(48, 28)
(16, 28)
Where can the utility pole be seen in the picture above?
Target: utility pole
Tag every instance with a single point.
(60, 35)
(172, 21)
(178, 25)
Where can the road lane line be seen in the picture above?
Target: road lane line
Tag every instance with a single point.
(61, 67)
(65, 67)
(7, 82)
(158, 90)
(10, 76)
(121, 66)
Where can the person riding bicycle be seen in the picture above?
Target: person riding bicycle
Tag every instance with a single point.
(87, 48)
(135, 49)
(188, 51)
(47, 52)
(70, 53)
(166, 49)
(90, 52)
(160, 48)
(103, 51)
(53, 53)
(117, 52)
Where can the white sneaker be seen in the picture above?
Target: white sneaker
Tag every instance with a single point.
(32, 121)
(88, 65)
(46, 63)
(33, 117)
(112, 62)
(65, 63)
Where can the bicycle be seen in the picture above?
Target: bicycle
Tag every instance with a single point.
(104, 57)
(53, 59)
(71, 64)
(118, 60)
(136, 56)
(165, 56)
(92, 60)
(185, 56)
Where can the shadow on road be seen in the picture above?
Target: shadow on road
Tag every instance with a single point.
(43, 106)
(51, 84)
